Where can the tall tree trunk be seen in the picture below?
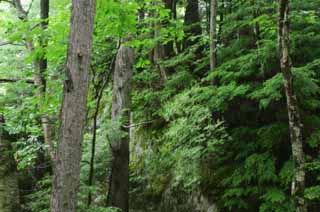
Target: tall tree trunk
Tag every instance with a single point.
(162, 51)
(192, 22)
(171, 6)
(119, 180)
(213, 34)
(9, 191)
(40, 80)
(73, 110)
(295, 125)
(43, 63)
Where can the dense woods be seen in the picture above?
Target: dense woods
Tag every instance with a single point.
(159, 105)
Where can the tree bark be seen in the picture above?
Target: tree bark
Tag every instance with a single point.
(9, 191)
(118, 195)
(295, 124)
(213, 34)
(73, 110)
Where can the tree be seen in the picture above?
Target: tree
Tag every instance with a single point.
(73, 109)
(118, 195)
(192, 22)
(40, 79)
(163, 51)
(295, 124)
(9, 191)
(213, 34)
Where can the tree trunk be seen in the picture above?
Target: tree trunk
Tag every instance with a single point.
(192, 22)
(213, 34)
(40, 80)
(119, 180)
(73, 110)
(163, 51)
(9, 191)
(295, 125)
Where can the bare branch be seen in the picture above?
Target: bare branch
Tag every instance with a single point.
(140, 123)
(3, 43)
(29, 81)
(6, 42)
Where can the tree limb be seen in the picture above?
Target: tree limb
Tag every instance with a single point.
(3, 43)
(29, 81)
(6, 42)
(22, 13)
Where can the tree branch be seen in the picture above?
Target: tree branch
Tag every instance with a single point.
(22, 14)
(29, 81)
(6, 42)
(3, 43)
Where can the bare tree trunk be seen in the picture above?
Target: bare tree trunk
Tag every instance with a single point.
(295, 125)
(213, 34)
(118, 195)
(9, 191)
(73, 110)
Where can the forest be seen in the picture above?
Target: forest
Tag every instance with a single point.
(159, 105)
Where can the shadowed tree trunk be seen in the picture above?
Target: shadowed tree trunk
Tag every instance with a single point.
(40, 80)
(213, 34)
(73, 110)
(295, 125)
(192, 22)
(118, 195)
(163, 51)
(9, 191)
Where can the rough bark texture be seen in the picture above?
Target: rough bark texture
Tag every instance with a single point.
(9, 191)
(213, 34)
(121, 103)
(295, 125)
(73, 110)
